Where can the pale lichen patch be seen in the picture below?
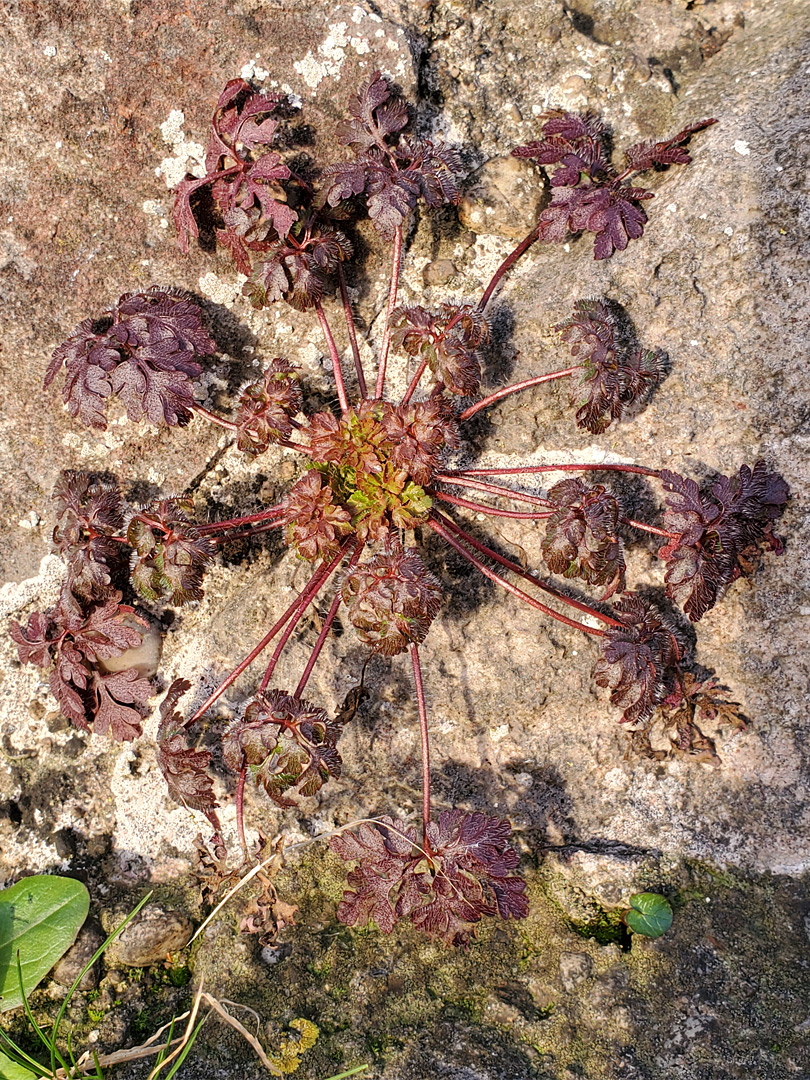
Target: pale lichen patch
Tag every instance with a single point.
(187, 156)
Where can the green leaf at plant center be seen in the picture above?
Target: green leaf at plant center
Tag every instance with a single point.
(40, 917)
(649, 914)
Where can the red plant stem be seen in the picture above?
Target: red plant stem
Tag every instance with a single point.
(313, 585)
(494, 489)
(650, 528)
(423, 728)
(581, 467)
(516, 568)
(420, 371)
(392, 303)
(526, 515)
(508, 263)
(240, 809)
(232, 523)
(485, 570)
(297, 615)
(347, 311)
(229, 424)
(295, 446)
(245, 534)
(335, 356)
(327, 626)
(507, 390)
(305, 184)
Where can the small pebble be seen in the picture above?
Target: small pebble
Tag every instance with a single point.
(66, 971)
(439, 272)
(150, 937)
(274, 954)
(574, 969)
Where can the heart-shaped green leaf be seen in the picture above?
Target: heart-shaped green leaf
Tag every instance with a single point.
(649, 914)
(40, 917)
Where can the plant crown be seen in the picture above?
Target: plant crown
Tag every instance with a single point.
(376, 480)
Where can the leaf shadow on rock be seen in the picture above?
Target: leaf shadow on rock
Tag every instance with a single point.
(233, 338)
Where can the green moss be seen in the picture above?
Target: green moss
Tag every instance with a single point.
(606, 929)
(179, 976)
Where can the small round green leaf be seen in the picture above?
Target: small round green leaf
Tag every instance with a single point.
(40, 917)
(649, 914)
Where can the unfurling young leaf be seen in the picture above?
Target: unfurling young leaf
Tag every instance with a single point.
(89, 514)
(315, 525)
(419, 431)
(449, 340)
(288, 744)
(640, 659)
(614, 375)
(392, 599)
(265, 408)
(582, 537)
(169, 555)
(297, 268)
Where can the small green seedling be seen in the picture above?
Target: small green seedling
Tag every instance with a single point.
(649, 914)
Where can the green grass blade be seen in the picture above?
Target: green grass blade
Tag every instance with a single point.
(97, 1063)
(43, 1038)
(351, 1072)
(182, 1056)
(99, 952)
(160, 1057)
(17, 1056)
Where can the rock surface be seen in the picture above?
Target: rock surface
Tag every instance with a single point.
(149, 938)
(117, 112)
